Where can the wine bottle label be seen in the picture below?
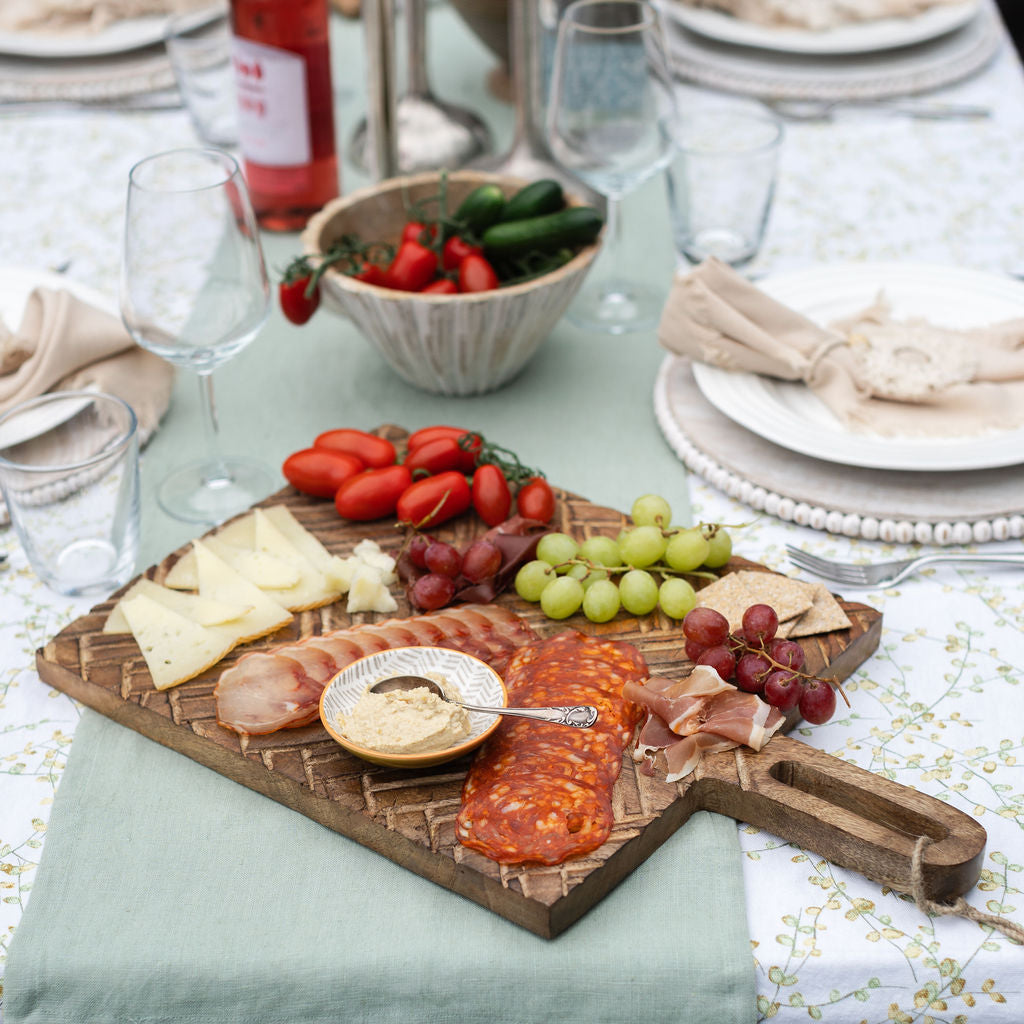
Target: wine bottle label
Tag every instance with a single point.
(273, 104)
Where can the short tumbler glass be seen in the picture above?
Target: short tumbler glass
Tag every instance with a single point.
(69, 471)
(721, 183)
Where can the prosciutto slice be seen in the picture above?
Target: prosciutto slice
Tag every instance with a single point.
(280, 688)
(698, 715)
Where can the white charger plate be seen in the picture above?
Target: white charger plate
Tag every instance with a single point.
(860, 37)
(790, 415)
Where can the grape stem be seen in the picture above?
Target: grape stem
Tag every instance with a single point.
(742, 645)
(665, 570)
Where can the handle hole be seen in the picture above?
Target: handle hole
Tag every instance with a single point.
(860, 802)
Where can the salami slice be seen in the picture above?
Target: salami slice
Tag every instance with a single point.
(537, 818)
(541, 793)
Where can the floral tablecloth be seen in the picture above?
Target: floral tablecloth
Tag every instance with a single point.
(939, 707)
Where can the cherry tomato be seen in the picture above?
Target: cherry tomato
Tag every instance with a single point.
(455, 250)
(372, 494)
(442, 286)
(417, 231)
(536, 500)
(492, 498)
(476, 275)
(434, 499)
(413, 267)
(320, 472)
(425, 434)
(296, 304)
(371, 450)
(439, 455)
(372, 274)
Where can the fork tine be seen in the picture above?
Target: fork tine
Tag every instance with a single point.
(841, 572)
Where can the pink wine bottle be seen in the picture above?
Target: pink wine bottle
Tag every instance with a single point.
(282, 64)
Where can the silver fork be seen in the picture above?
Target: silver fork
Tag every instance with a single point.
(888, 573)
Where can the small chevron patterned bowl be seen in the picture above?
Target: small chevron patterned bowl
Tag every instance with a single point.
(446, 344)
(462, 676)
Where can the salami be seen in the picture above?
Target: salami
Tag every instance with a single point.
(541, 793)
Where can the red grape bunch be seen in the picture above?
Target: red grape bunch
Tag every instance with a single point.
(444, 566)
(757, 661)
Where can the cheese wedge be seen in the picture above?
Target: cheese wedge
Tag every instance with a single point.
(175, 648)
(368, 592)
(259, 567)
(201, 611)
(312, 589)
(219, 582)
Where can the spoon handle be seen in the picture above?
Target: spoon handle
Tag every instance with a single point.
(580, 716)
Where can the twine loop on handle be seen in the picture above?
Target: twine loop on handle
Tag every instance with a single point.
(959, 907)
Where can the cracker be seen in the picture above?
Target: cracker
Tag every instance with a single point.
(734, 593)
(824, 615)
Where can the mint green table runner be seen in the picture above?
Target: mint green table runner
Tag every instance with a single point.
(168, 893)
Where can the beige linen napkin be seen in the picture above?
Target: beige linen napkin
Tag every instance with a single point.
(877, 374)
(64, 343)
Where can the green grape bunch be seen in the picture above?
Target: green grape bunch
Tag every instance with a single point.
(638, 571)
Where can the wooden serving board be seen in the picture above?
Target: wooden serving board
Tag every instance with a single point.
(840, 811)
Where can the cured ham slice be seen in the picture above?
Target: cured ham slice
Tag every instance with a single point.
(280, 688)
(708, 713)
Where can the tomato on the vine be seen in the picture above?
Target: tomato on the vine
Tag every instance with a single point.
(320, 472)
(373, 493)
(477, 275)
(469, 440)
(492, 498)
(372, 274)
(440, 455)
(297, 294)
(434, 499)
(536, 500)
(455, 250)
(413, 267)
(373, 451)
(417, 231)
(442, 286)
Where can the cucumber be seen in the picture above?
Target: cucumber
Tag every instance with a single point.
(544, 196)
(480, 209)
(578, 225)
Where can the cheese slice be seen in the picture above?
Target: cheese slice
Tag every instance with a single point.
(265, 570)
(307, 545)
(312, 589)
(202, 611)
(175, 648)
(219, 582)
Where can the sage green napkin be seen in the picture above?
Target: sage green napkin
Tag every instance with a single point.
(169, 893)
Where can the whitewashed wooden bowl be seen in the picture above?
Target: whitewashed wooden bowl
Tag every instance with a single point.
(446, 344)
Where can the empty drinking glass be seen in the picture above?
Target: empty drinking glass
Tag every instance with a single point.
(721, 183)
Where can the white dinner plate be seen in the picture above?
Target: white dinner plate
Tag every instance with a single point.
(860, 37)
(790, 415)
(118, 37)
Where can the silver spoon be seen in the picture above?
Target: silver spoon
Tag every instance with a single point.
(580, 716)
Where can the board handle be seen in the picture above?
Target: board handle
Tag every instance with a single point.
(852, 817)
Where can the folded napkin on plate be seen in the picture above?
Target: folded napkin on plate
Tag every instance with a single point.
(877, 374)
(64, 343)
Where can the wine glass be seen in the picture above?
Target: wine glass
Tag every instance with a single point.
(610, 121)
(195, 291)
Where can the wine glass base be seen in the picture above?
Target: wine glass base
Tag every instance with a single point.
(616, 307)
(210, 492)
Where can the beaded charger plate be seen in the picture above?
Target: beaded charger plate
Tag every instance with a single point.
(949, 507)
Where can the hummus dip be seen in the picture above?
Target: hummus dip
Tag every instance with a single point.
(405, 722)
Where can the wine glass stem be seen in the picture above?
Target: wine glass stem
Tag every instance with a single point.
(218, 471)
(613, 242)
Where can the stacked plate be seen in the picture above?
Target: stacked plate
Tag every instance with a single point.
(868, 60)
(773, 445)
(122, 59)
